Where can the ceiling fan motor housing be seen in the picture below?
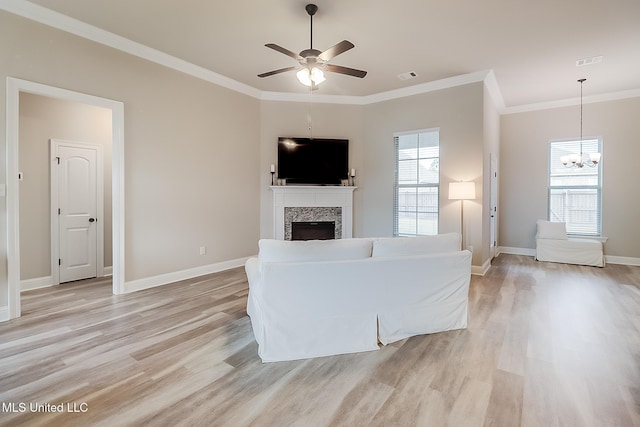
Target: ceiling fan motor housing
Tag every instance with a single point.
(311, 9)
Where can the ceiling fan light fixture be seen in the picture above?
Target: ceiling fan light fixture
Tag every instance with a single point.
(314, 63)
(310, 76)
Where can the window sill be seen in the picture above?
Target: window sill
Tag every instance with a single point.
(602, 239)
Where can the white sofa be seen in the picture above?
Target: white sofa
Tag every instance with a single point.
(553, 245)
(319, 298)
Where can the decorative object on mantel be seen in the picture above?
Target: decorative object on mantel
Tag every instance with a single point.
(462, 191)
(577, 160)
(273, 172)
(353, 177)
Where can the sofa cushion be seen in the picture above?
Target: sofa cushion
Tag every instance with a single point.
(313, 250)
(404, 246)
(551, 230)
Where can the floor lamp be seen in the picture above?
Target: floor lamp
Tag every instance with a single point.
(462, 191)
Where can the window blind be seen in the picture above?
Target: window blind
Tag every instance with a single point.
(575, 194)
(417, 180)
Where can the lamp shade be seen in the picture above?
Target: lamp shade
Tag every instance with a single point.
(462, 190)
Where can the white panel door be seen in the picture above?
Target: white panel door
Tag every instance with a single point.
(77, 201)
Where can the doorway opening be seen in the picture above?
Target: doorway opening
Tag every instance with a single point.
(14, 88)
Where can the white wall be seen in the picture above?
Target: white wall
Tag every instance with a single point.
(524, 166)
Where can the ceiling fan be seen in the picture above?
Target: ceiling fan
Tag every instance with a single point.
(312, 62)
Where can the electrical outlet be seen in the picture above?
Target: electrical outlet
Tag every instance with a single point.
(203, 250)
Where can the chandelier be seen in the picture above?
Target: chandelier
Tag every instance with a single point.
(579, 160)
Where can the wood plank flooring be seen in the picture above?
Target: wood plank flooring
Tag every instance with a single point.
(547, 345)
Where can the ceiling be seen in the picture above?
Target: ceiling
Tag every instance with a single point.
(531, 46)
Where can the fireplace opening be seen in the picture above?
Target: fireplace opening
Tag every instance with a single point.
(313, 230)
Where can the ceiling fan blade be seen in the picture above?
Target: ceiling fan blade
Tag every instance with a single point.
(281, 70)
(283, 50)
(346, 70)
(336, 50)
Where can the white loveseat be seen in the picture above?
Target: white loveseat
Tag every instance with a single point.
(553, 245)
(319, 298)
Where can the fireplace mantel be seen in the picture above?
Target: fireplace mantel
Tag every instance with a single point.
(285, 196)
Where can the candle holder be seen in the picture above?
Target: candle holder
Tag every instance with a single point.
(272, 174)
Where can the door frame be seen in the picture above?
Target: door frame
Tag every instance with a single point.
(14, 87)
(493, 206)
(54, 144)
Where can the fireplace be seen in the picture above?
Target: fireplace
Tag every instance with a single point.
(312, 204)
(313, 230)
(318, 215)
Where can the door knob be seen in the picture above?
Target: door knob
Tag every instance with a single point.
(92, 219)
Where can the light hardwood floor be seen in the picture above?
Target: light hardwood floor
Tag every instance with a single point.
(547, 345)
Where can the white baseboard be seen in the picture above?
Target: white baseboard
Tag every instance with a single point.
(37, 283)
(481, 270)
(4, 313)
(610, 259)
(163, 279)
(516, 251)
(47, 281)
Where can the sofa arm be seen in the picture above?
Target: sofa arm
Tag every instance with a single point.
(252, 270)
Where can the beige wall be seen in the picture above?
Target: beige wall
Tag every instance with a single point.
(491, 148)
(458, 112)
(191, 148)
(292, 119)
(197, 155)
(41, 119)
(524, 165)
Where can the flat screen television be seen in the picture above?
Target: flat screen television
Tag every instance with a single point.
(319, 161)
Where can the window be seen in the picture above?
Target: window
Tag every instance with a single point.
(416, 183)
(575, 194)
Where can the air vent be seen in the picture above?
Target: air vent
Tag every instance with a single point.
(588, 61)
(408, 75)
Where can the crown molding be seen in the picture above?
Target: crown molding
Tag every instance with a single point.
(495, 93)
(486, 76)
(614, 96)
(70, 25)
(316, 98)
(418, 89)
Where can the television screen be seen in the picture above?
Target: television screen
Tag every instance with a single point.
(313, 160)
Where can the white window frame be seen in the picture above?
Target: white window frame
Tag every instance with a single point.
(417, 186)
(574, 229)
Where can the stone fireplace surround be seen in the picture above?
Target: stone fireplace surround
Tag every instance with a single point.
(310, 203)
(312, 214)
